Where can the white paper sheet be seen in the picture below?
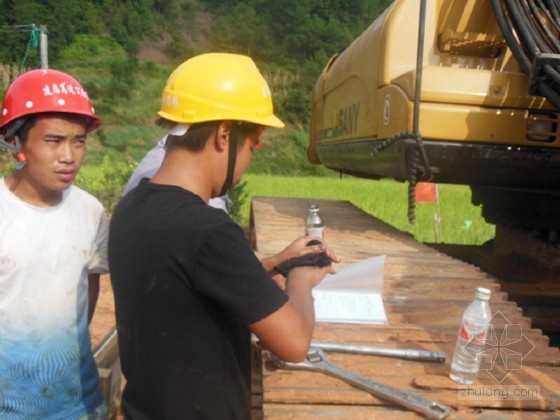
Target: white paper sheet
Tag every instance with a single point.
(353, 294)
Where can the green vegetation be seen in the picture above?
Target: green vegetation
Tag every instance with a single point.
(99, 43)
(285, 152)
(459, 221)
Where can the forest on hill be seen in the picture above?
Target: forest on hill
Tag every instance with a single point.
(291, 39)
(122, 51)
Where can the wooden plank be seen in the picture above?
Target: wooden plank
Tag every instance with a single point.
(111, 379)
(424, 293)
(434, 337)
(108, 350)
(275, 411)
(293, 387)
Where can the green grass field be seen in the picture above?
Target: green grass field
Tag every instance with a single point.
(459, 221)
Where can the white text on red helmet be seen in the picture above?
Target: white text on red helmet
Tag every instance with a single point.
(64, 89)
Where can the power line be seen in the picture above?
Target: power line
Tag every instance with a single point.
(18, 28)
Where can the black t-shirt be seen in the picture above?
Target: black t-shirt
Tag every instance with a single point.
(186, 285)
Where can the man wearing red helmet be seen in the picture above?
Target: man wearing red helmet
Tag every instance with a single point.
(53, 246)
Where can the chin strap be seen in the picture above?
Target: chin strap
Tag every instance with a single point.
(232, 158)
(16, 150)
(10, 132)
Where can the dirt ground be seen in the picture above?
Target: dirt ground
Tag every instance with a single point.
(104, 317)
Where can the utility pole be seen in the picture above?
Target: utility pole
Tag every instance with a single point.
(43, 46)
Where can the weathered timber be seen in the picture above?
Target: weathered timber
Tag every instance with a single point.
(108, 363)
(424, 294)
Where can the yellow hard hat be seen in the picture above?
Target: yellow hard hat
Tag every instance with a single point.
(218, 86)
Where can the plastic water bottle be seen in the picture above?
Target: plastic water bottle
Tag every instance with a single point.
(472, 339)
(314, 226)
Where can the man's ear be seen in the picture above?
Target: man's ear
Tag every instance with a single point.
(223, 135)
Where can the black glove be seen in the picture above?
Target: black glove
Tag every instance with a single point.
(319, 260)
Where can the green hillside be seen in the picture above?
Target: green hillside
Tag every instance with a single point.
(116, 45)
(123, 51)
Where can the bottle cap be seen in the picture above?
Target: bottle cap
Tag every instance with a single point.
(313, 207)
(483, 293)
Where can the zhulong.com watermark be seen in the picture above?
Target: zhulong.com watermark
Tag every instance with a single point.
(506, 346)
(503, 392)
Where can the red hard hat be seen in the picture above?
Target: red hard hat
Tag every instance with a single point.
(39, 91)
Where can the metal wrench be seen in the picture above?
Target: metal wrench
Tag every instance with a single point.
(317, 361)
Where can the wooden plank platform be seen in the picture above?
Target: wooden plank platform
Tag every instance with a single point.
(424, 293)
(111, 380)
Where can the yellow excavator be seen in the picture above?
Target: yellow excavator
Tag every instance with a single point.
(451, 91)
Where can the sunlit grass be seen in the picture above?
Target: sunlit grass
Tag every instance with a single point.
(452, 220)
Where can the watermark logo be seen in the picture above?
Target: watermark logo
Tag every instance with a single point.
(500, 392)
(505, 348)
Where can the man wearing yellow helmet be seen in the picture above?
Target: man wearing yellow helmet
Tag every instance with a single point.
(189, 289)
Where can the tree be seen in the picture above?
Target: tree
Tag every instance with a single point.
(242, 31)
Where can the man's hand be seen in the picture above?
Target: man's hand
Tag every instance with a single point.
(297, 248)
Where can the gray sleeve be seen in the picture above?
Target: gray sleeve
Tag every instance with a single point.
(98, 263)
(148, 166)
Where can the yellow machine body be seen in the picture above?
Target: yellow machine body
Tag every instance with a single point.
(472, 111)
